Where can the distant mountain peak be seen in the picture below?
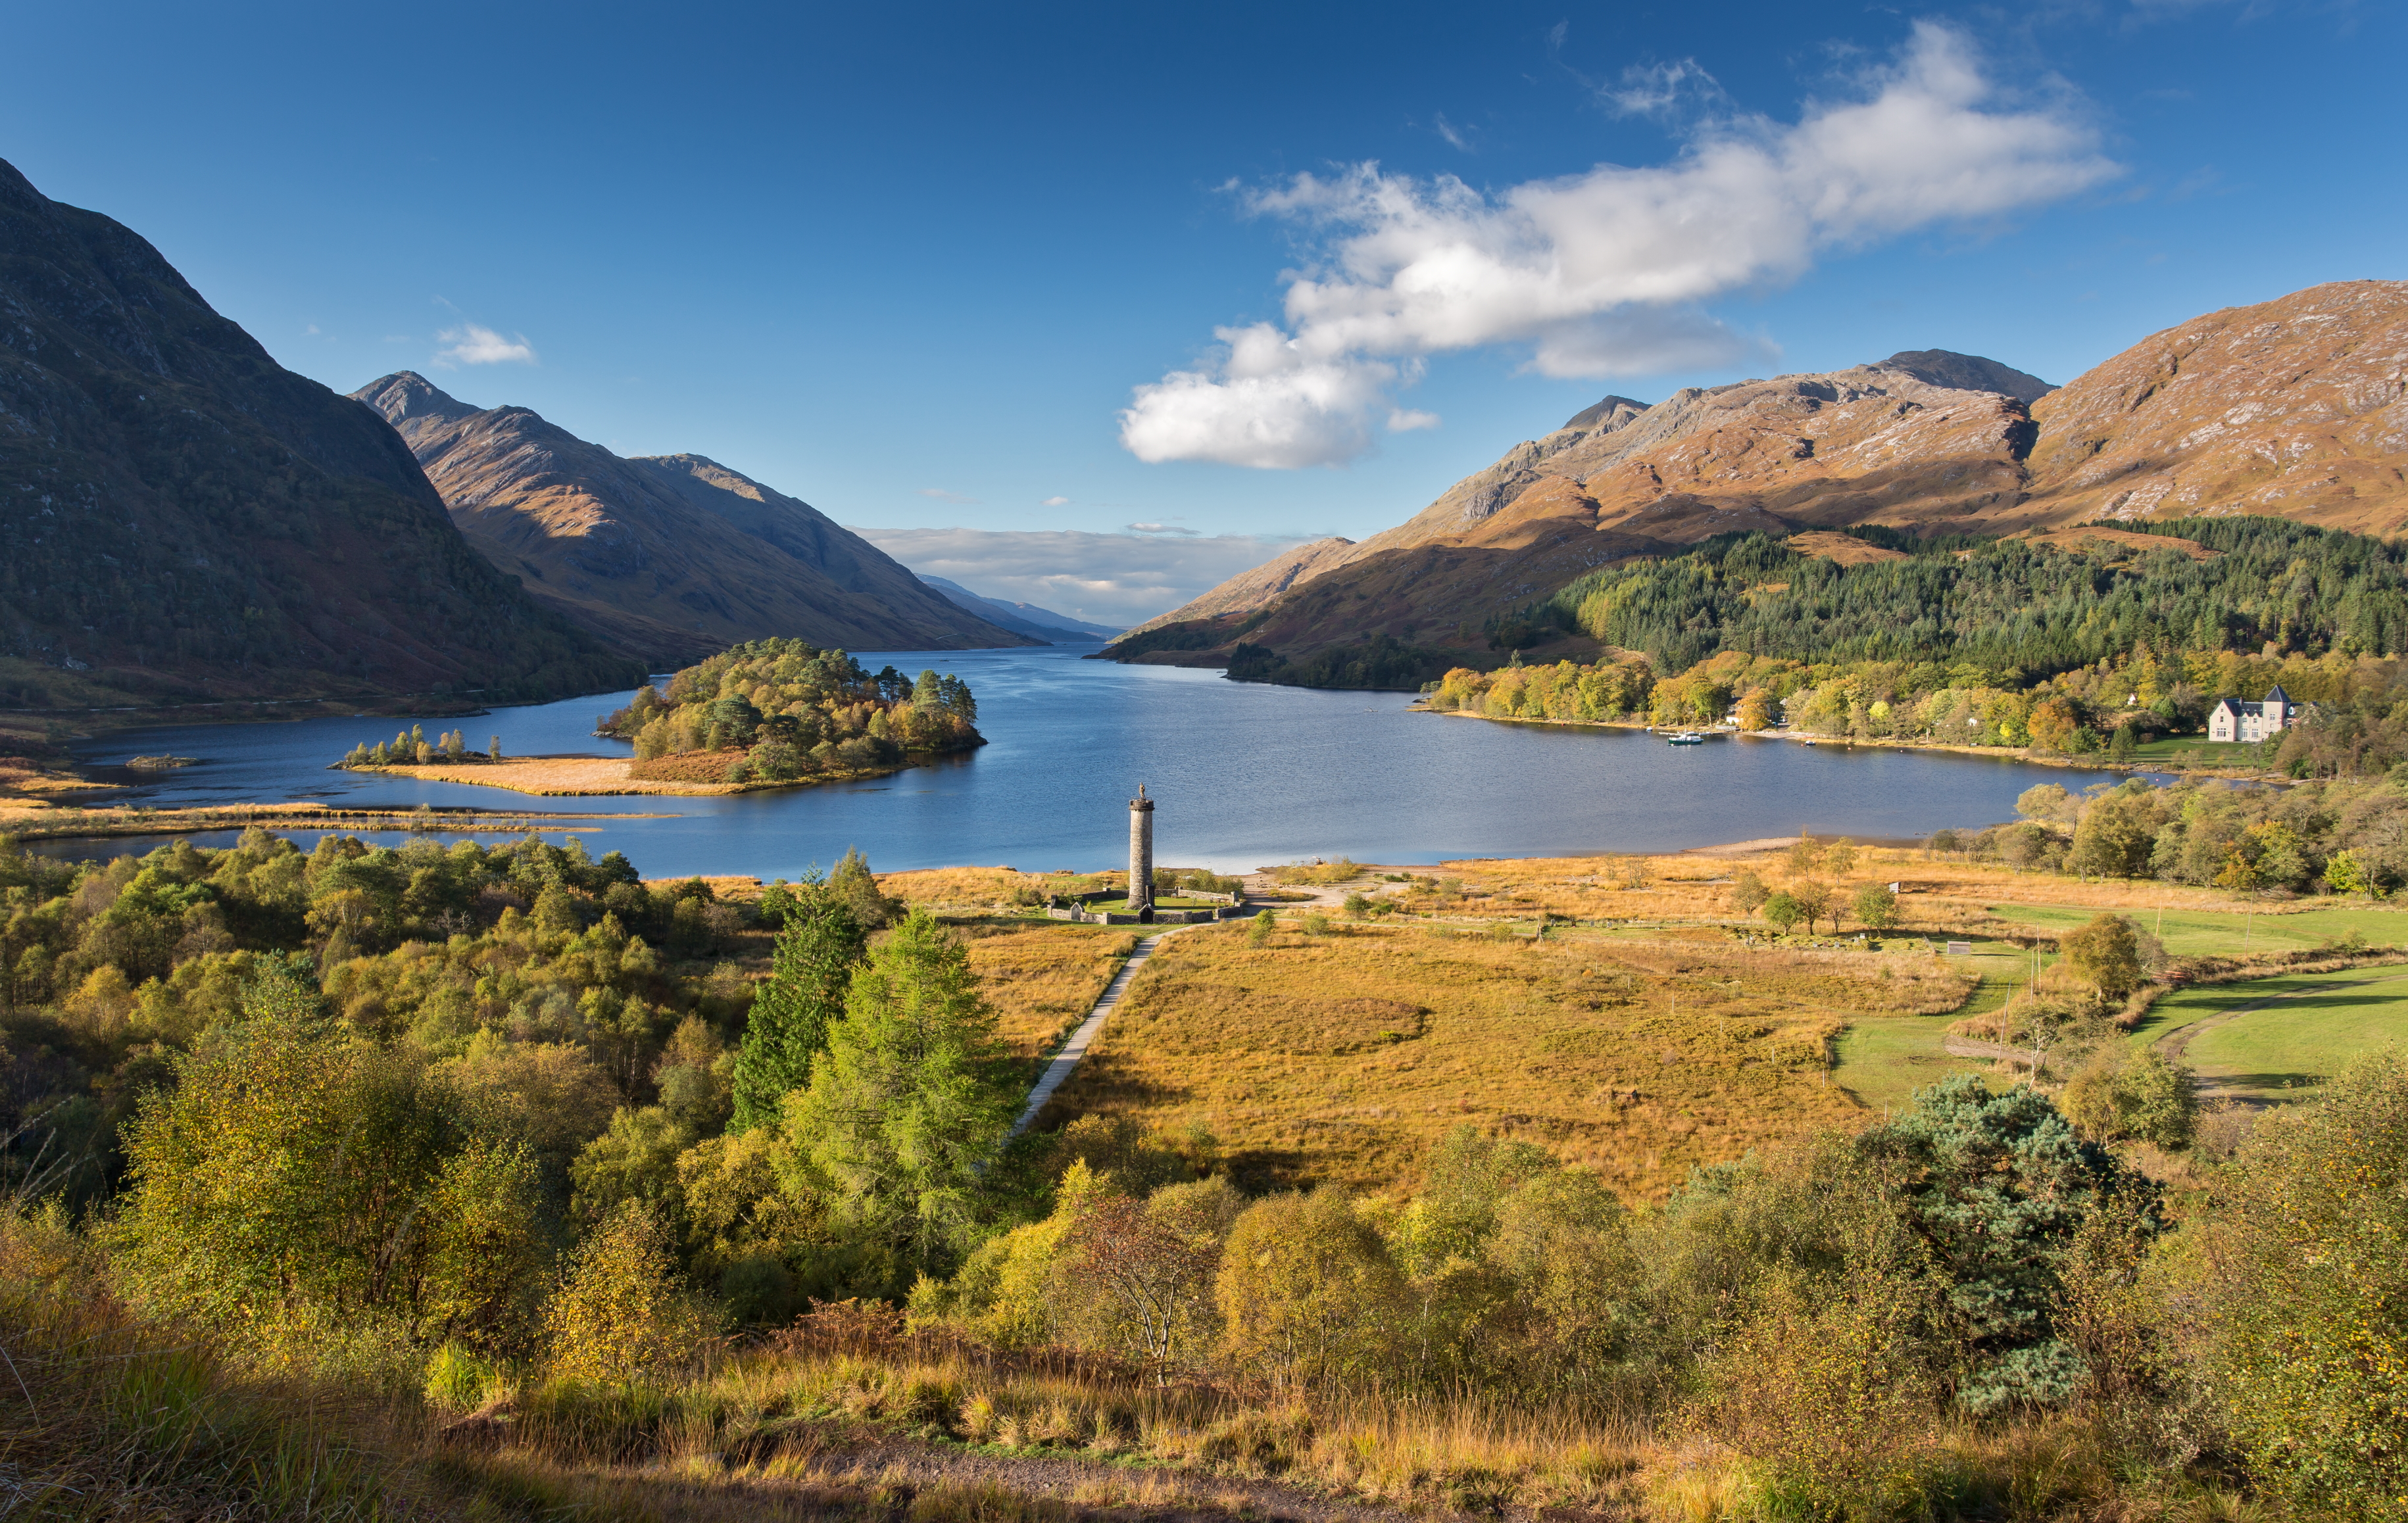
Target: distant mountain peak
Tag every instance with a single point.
(406, 394)
(1967, 373)
(1591, 416)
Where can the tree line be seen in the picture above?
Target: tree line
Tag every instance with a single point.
(2005, 604)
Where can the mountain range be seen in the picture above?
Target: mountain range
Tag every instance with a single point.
(183, 521)
(1025, 617)
(2296, 408)
(665, 557)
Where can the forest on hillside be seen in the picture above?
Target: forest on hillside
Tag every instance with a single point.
(779, 711)
(2004, 604)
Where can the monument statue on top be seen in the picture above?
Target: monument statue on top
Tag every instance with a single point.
(1141, 892)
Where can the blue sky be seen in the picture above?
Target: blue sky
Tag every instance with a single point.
(913, 265)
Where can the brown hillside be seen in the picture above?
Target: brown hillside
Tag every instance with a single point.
(182, 519)
(669, 559)
(2293, 407)
(2297, 407)
(1253, 588)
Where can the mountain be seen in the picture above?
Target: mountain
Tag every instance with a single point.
(2293, 406)
(183, 521)
(1025, 617)
(2296, 408)
(1252, 588)
(667, 558)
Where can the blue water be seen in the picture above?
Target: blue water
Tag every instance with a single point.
(1246, 776)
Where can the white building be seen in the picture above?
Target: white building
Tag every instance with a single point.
(2232, 719)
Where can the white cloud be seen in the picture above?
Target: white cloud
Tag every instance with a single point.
(940, 494)
(1599, 274)
(1055, 502)
(1104, 579)
(1160, 529)
(1405, 420)
(474, 343)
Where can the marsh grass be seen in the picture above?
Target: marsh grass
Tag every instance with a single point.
(1343, 1057)
(1939, 893)
(1044, 976)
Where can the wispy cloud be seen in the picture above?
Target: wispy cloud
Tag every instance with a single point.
(1121, 579)
(1600, 274)
(1160, 529)
(941, 495)
(474, 343)
(1055, 502)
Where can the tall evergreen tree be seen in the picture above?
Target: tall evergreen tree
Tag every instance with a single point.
(816, 954)
(912, 1097)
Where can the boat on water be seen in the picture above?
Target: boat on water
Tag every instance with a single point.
(1686, 737)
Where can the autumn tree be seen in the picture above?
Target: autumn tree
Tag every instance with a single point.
(2106, 953)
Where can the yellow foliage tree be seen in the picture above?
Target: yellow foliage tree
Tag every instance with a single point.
(620, 1313)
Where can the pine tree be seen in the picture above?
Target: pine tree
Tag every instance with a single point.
(816, 953)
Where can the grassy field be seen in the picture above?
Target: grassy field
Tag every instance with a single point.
(1344, 1056)
(2191, 931)
(2315, 1025)
(1044, 976)
(2190, 750)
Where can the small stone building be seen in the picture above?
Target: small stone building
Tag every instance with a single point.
(2232, 719)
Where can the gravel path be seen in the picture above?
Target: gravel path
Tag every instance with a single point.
(2173, 1045)
(1065, 1061)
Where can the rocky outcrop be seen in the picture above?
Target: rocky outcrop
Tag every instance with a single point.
(183, 519)
(667, 558)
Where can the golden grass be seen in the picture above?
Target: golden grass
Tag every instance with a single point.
(1937, 893)
(1345, 1056)
(1044, 976)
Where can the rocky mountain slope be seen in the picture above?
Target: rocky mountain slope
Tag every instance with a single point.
(1023, 618)
(667, 558)
(184, 521)
(2293, 406)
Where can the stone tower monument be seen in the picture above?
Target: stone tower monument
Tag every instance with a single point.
(1141, 895)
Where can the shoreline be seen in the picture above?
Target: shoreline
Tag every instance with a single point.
(573, 777)
(43, 823)
(2006, 753)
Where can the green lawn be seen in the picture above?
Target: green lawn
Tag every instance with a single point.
(2193, 752)
(2222, 933)
(1883, 1060)
(2291, 1047)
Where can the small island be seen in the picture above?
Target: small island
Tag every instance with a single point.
(766, 714)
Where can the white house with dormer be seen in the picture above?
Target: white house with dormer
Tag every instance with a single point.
(2232, 719)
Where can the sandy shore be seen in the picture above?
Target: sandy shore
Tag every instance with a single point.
(554, 776)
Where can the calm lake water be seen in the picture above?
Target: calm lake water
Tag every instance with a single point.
(1246, 776)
